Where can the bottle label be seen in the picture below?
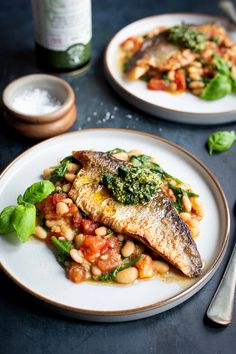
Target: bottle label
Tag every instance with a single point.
(63, 25)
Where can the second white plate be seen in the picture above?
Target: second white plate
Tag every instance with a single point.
(182, 108)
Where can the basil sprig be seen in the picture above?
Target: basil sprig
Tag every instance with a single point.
(221, 84)
(115, 151)
(126, 264)
(22, 217)
(221, 141)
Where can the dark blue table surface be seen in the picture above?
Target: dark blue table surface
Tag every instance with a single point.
(25, 327)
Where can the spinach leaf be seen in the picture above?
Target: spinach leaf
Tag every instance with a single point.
(6, 220)
(221, 141)
(115, 151)
(233, 83)
(23, 221)
(126, 264)
(60, 170)
(37, 192)
(217, 88)
(63, 247)
(179, 193)
(221, 66)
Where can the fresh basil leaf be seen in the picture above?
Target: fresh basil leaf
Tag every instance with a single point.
(23, 221)
(20, 200)
(221, 141)
(217, 88)
(37, 192)
(6, 226)
(221, 66)
(115, 151)
(63, 247)
(126, 264)
(233, 84)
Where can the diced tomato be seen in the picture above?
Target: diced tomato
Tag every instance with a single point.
(58, 197)
(180, 79)
(157, 84)
(92, 246)
(107, 265)
(88, 227)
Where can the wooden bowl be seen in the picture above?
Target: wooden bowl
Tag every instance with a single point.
(43, 125)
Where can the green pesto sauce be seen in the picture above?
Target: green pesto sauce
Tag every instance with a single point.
(131, 185)
(187, 37)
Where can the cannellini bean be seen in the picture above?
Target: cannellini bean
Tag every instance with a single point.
(79, 239)
(121, 156)
(195, 76)
(56, 228)
(66, 187)
(135, 152)
(121, 237)
(161, 267)
(50, 223)
(127, 276)
(67, 201)
(61, 208)
(101, 231)
(47, 173)
(96, 271)
(171, 75)
(196, 84)
(186, 204)
(40, 232)
(76, 256)
(194, 227)
(128, 248)
(137, 72)
(70, 177)
(104, 257)
(186, 217)
(68, 233)
(197, 64)
(72, 167)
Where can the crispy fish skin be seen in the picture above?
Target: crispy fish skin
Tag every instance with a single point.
(159, 53)
(156, 223)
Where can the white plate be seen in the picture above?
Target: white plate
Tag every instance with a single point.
(33, 266)
(184, 108)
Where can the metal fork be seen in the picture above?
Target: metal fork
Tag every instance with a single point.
(228, 7)
(220, 309)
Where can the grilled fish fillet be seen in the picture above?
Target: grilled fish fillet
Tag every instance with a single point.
(159, 53)
(156, 223)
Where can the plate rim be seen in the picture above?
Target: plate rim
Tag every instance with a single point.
(133, 96)
(192, 288)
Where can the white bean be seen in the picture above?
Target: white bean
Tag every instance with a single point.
(101, 231)
(128, 248)
(66, 187)
(135, 152)
(61, 208)
(76, 256)
(72, 167)
(161, 267)
(121, 156)
(79, 239)
(40, 232)
(70, 177)
(96, 271)
(186, 204)
(127, 276)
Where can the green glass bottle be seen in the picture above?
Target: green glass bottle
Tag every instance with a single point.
(63, 33)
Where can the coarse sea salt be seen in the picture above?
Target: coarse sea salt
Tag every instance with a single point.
(36, 102)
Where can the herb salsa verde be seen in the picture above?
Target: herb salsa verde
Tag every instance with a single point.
(131, 185)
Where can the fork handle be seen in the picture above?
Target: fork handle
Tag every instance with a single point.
(220, 309)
